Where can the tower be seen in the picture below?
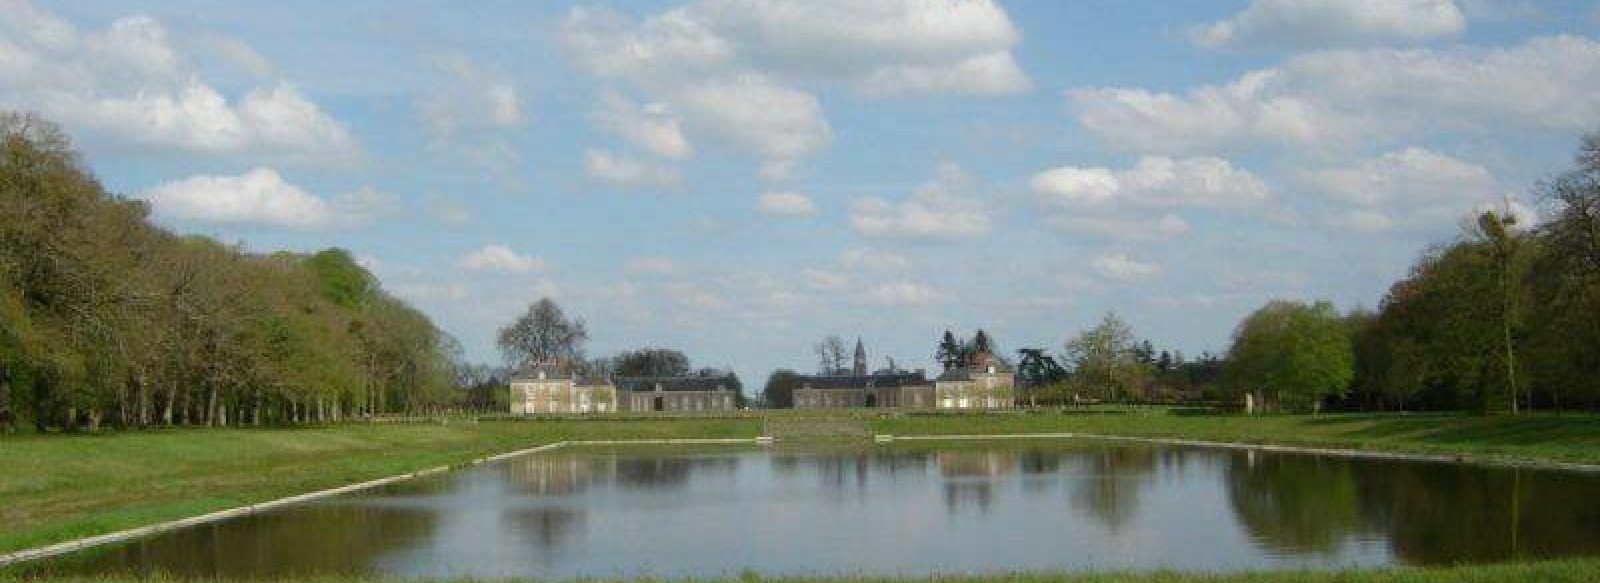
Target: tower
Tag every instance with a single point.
(860, 367)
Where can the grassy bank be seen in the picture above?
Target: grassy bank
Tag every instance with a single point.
(62, 487)
(1528, 438)
(1573, 571)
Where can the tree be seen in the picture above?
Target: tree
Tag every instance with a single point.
(1294, 353)
(830, 356)
(1104, 362)
(542, 334)
(779, 390)
(651, 362)
(949, 354)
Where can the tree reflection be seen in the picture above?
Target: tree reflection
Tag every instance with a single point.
(1295, 504)
(1108, 483)
(1430, 513)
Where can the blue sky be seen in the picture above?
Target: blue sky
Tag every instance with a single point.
(738, 178)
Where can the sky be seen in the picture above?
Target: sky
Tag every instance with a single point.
(740, 178)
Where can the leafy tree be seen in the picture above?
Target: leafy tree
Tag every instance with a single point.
(651, 362)
(1292, 353)
(1104, 360)
(779, 390)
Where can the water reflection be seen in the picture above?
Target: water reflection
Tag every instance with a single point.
(893, 510)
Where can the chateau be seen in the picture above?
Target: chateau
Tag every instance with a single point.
(982, 383)
(550, 388)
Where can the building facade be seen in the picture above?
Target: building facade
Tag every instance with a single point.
(981, 386)
(678, 393)
(983, 382)
(880, 389)
(548, 389)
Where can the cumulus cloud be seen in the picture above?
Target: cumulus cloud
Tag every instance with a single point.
(1414, 187)
(786, 204)
(258, 196)
(500, 259)
(652, 127)
(468, 97)
(1120, 267)
(941, 209)
(129, 83)
(624, 171)
(733, 69)
(1299, 24)
(1548, 83)
(1154, 180)
(904, 294)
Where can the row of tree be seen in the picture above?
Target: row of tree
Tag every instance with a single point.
(105, 317)
(1505, 318)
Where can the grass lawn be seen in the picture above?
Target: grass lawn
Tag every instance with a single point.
(61, 487)
(1573, 571)
(1573, 438)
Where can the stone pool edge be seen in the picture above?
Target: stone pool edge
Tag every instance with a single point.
(64, 547)
(1342, 452)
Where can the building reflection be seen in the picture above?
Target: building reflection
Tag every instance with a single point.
(970, 477)
(559, 473)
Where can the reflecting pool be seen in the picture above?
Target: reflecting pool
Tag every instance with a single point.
(893, 510)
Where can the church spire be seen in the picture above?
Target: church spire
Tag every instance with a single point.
(860, 367)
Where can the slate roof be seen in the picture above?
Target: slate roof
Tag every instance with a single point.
(899, 379)
(648, 384)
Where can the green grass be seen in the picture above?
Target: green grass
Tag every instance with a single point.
(1527, 438)
(1570, 571)
(61, 487)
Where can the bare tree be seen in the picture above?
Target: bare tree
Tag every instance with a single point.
(543, 334)
(830, 355)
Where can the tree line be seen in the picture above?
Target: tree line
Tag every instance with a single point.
(106, 318)
(1505, 317)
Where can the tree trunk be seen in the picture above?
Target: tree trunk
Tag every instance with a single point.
(7, 424)
(211, 407)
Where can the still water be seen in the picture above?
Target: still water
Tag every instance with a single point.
(894, 510)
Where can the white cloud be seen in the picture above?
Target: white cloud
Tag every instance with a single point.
(754, 112)
(786, 204)
(128, 84)
(940, 209)
(653, 127)
(868, 259)
(906, 294)
(258, 196)
(1123, 229)
(468, 97)
(1154, 180)
(734, 69)
(1414, 187)
(1123, 268)
(1298, 24)
(500, 259)
(629, 172)
(823, 279)
(1550, 83)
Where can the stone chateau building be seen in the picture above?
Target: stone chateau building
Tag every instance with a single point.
(551, 388)
(983, 383)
